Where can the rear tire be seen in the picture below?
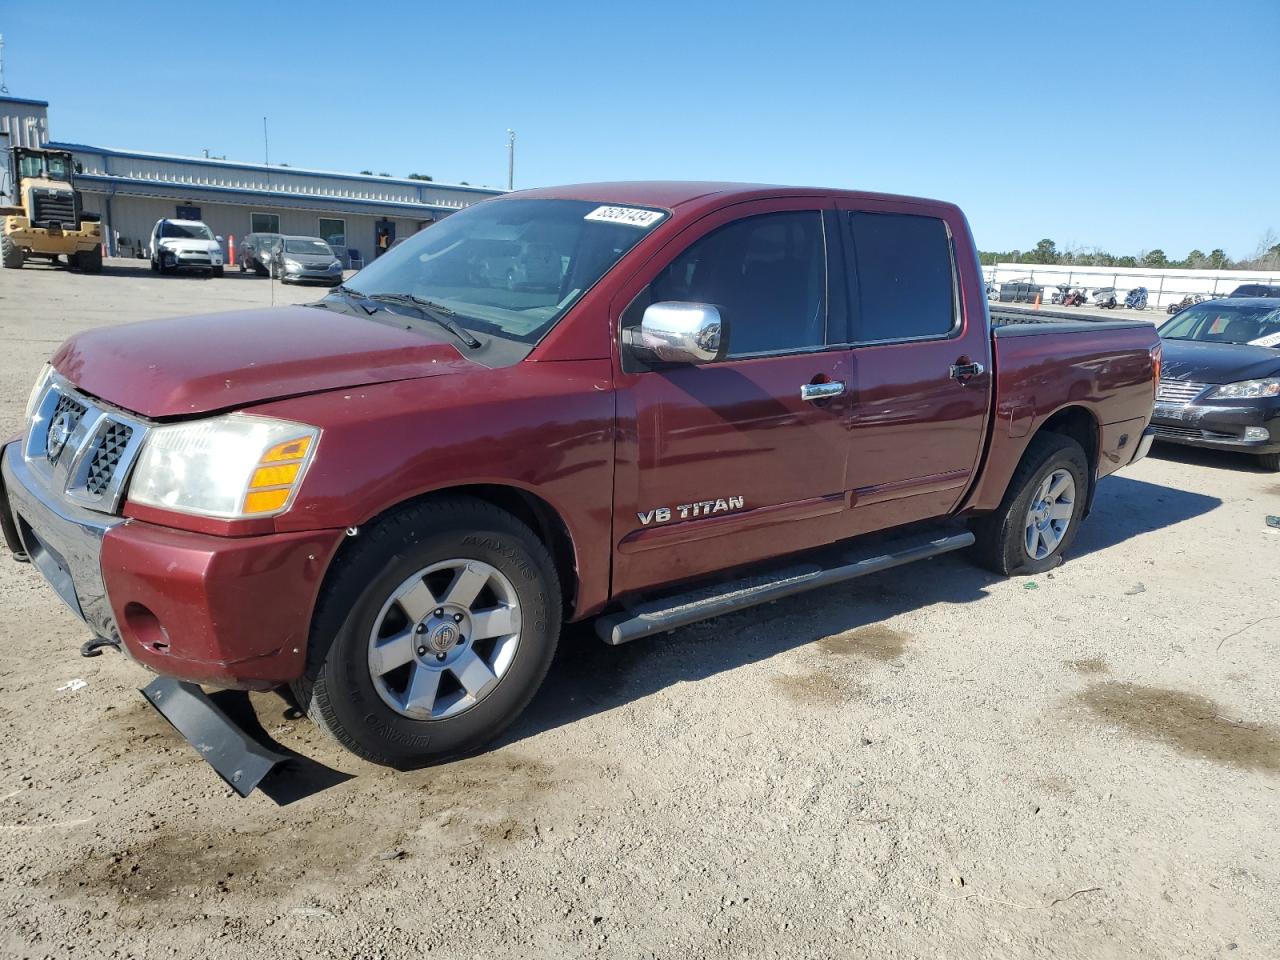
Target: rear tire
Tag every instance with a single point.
(10, 253)
(1003, 535)
(1269, 461)
(349, 700)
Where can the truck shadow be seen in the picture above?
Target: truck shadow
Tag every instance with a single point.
(1125, 507)
(589, 677)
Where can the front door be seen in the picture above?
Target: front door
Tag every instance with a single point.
(923, 362)
(725, 463)
(384, 235)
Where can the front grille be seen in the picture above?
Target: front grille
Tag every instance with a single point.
(1176, 433)
(53, 206)
(106, 457)
(1179, 391)
(72, 408)
(95, 446)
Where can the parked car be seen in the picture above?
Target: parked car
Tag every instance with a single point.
(256, 251)
(304, 259)
(393, 498)
(1221, 384)
(185, 245)
(1256, 290)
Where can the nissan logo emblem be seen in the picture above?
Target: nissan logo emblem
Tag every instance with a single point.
(57, 437)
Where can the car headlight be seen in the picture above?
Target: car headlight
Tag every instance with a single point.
(292, 265)
(233, 467)
(42, 381)
(336, 265)
(1246, 390)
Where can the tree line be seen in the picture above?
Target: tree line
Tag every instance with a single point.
(1266, 257)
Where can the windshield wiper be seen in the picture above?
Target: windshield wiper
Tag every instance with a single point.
(436, 312)
(355, 295)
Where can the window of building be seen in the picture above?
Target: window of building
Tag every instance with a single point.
(264, 223)
(768, 275)
(901, 277)
(333, 232)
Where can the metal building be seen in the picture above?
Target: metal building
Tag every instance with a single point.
(23, 123)
(132, 189)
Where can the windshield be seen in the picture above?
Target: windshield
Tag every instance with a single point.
(55, 166)
(316, 248)
(1221, 321)
(510, 267)
(185, 231)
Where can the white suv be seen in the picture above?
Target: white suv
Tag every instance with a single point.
(185, 245)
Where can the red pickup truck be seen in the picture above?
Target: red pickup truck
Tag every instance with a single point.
(645, 403)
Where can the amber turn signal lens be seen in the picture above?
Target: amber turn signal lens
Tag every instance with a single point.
(289, 450)
(265, 501)
(276, 475)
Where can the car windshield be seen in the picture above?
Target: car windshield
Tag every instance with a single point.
(185, 231)
(510, 267)
(316, 248)
(1221, 321)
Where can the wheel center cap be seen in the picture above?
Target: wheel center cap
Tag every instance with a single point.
(443, 637)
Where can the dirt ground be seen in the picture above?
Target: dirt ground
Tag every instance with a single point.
(930, 762)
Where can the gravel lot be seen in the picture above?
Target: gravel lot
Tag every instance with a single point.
(930, 762)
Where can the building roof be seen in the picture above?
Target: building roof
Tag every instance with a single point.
(23, 100)
(267, 168)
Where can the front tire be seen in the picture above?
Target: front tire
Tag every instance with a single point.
(1269, 461)
(10, 253)
(1040, 514)
(219, 271)
(433, 631)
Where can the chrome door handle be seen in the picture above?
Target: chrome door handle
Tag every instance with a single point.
(822, 391)
(964, 371)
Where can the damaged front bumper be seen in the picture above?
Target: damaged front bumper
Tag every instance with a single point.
(1243, 426)
(231, 612)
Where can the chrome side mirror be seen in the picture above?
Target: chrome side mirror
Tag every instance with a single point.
(675, 332)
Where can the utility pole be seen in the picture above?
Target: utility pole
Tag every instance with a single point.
(511, 159)
(4, 88)
(266, 151)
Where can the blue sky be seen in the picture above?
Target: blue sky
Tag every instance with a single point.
(1154, 120)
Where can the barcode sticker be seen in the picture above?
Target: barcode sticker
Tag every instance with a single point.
(631, 216)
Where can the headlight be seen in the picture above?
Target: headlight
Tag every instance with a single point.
(233, 467)
(1246, 390)
(336, 265)
(42, 381)
(292, 265)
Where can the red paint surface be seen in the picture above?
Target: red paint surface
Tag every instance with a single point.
(402, 416)
(234, 612)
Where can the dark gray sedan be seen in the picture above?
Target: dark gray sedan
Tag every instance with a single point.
(308, 259)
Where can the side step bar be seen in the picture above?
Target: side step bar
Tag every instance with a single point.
(668, 613)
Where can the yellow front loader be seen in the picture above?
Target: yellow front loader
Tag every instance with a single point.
(46, 220)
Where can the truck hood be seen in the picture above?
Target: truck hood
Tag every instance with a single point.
(1218, 362)
(224, 361)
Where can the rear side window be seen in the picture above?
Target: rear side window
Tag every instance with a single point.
(768, 276)
(901, 278)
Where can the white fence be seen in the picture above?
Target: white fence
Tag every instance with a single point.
(1164, 286)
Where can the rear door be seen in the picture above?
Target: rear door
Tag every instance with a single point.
(724, 464)
(922, 361)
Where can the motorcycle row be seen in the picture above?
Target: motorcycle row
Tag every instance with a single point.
(1106, 297)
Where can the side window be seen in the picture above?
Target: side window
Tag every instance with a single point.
(901, 278)
(766, 273)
